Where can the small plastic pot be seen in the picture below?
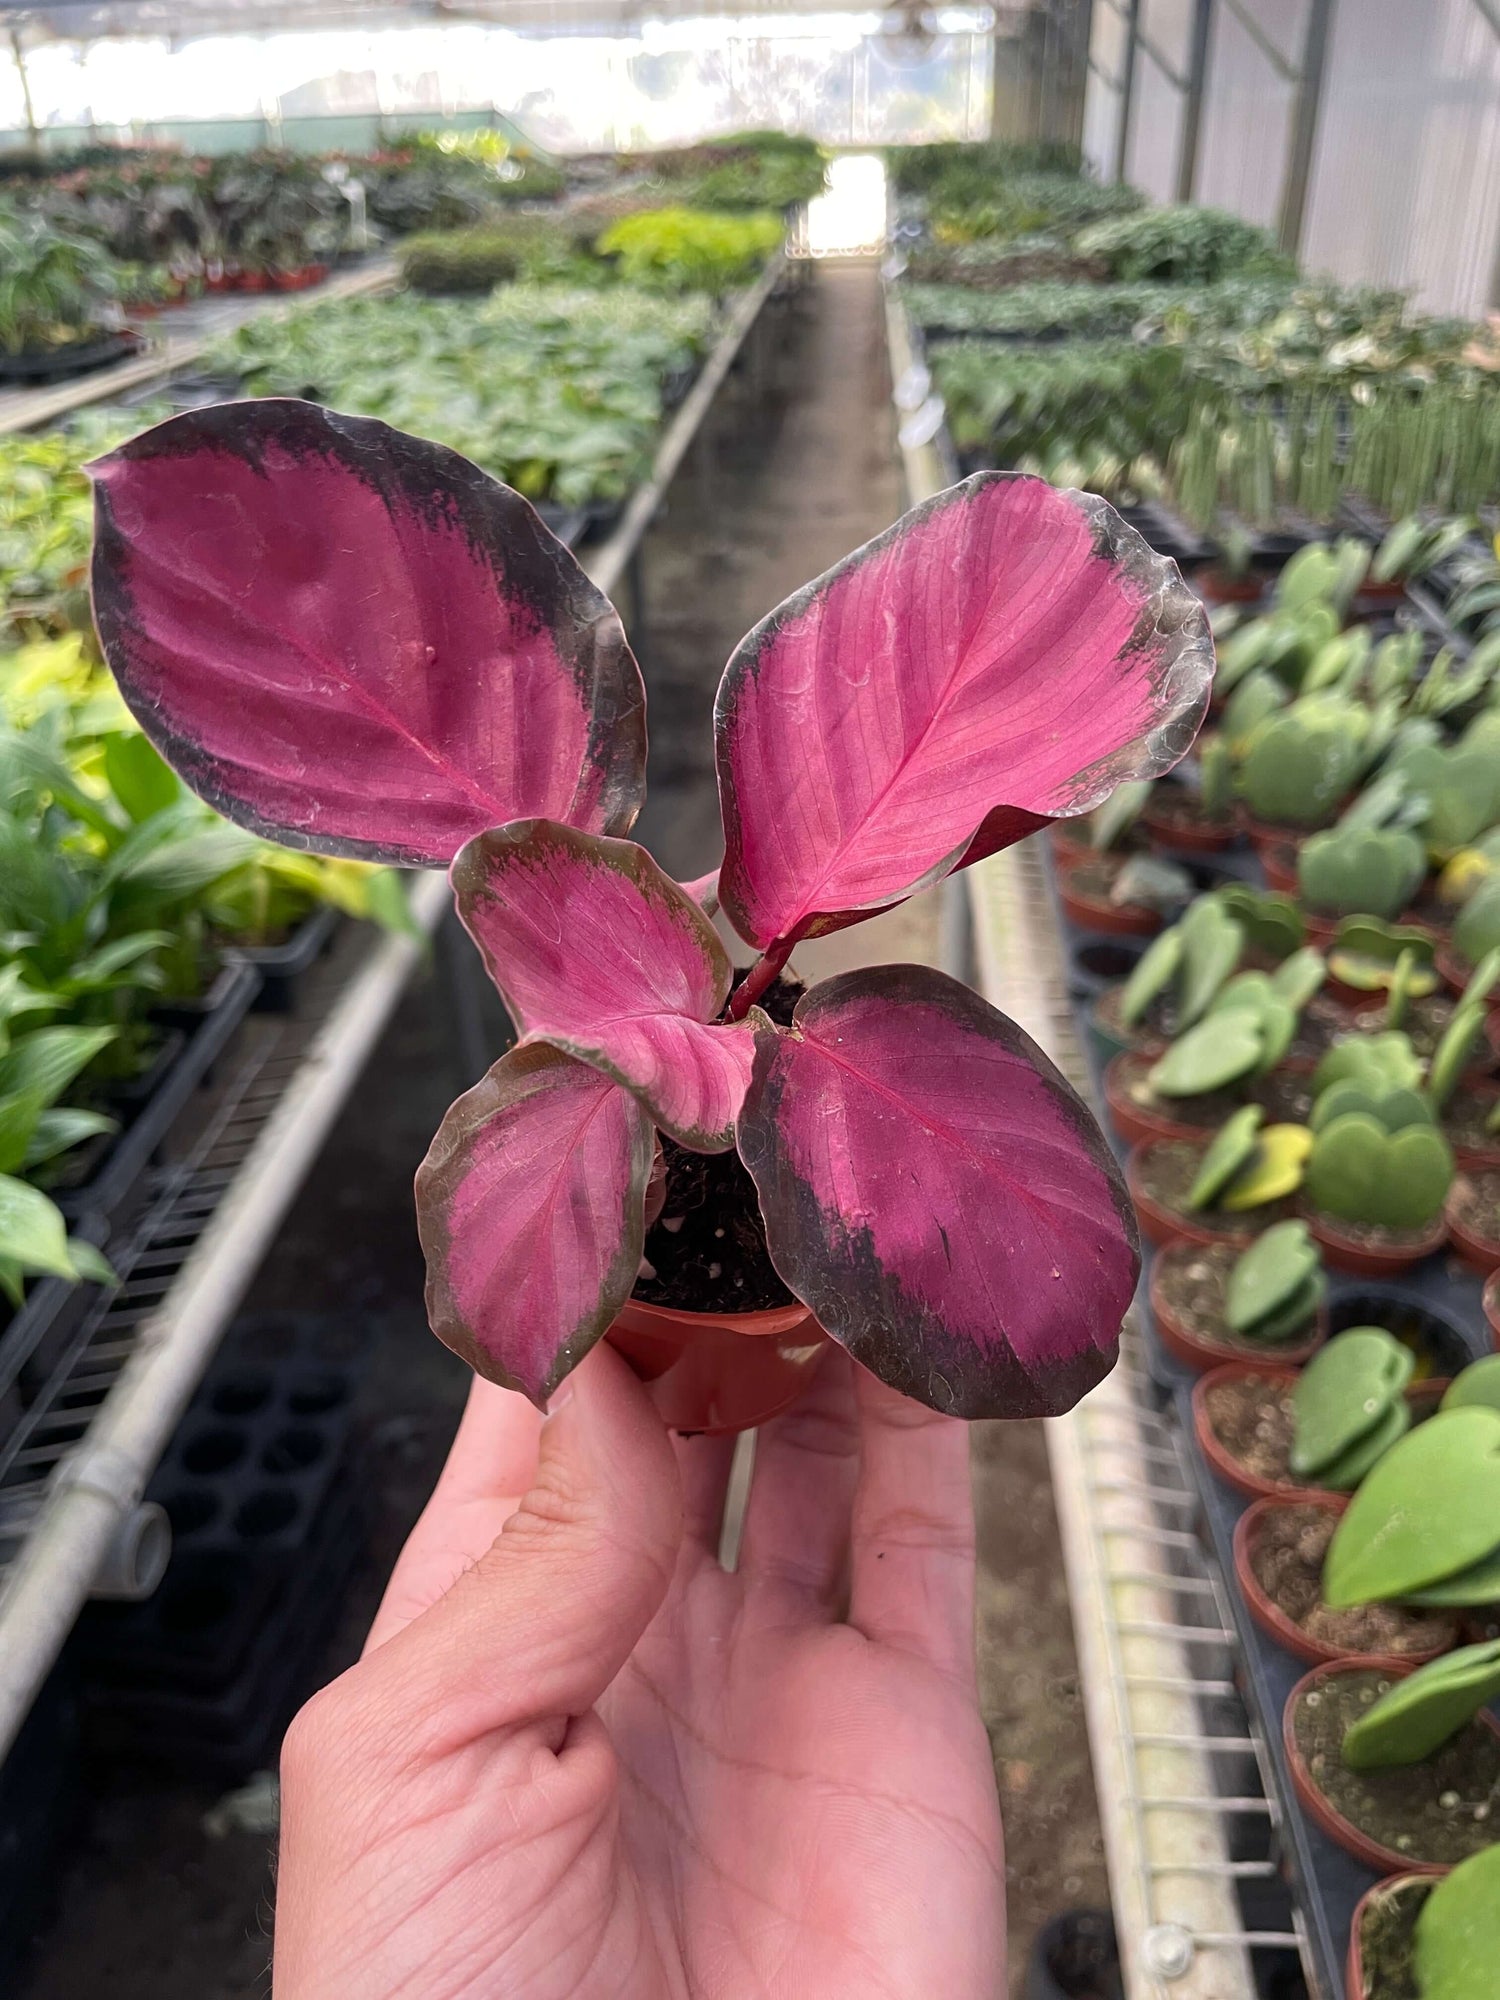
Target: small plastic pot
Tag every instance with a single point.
(1357, 1988)
(1279, 863)
(1163, 1226)
(1097, 963)
(1190, 836)
(1455, 972)
(1223, 1463)
(1200, 1354)
(1362, 1259)
(1069, 842)
(1138, 1124)
(1384, 1860)
(1264, 834)
(1110, 1039)
(1264, 1609)
(1485, 1157)
(1480, 1253)
(1490, 1299)
(1215, 588)
(719, 1372)
(1098, 913)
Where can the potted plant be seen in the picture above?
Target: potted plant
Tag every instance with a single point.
(1379, 1170)
(58, 307)
(1113, 891)
(1433, 1938)
(1411, 550)
(1382, 1937)
(1298, 764)
(1195, 820)
(1279, 1550)
(1375, 964)
(1399, 1765)
(1213, 1303)
(988, 1256)
(1223, 1193)
(1476, 933)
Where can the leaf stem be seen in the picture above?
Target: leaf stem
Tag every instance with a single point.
(761, 975)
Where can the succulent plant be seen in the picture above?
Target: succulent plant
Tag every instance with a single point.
(1351, 871)
(1453, 1051)
(1247, 1030)
(1154, 972)
(1378, 1175)
(1368, 953)
(1272, 922)
(1380, 1062)
(1414, 546)
(1212, 942)
(1257, 697)
(1149, 883)
(1249, 1163)
(1428, 1514)
(1456, 1945)
(1477, 931)
(1478, 1386)
(1299, 763)
(1110, 823)
(1418, 1713)
(1348, 1408)
(1216, 778)
(1459, 788)
(1323, 573)
(1276, 1288)
(1394, 663)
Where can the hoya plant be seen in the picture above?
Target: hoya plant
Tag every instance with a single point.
(360, 644)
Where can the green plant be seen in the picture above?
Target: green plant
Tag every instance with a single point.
(1477, 931)
(1376, 957)
(1248, 1163)
(1271, 921)
(1187, 245)
(1216, 780)
(1299, 763)
(1419, 1712)
(1346, 870)
(56, 288)
(488, 254)
(689, 249)
(1415, 546)
(1377, 1160)
(1426, 1517)
(1324, 573)
(1276, 1287)
(1348, 1407)
(1457, 1940)
(1376, 1062)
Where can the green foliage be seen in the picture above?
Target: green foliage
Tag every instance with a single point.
(489, 254)
(1154, 972)
(1211, 945)
(1378, 1062)
(1347, 870)
(1459, 1040)
(1229, 1151)
(1347, 1394)
(1377, 957)
(1414, 546)
(1216, 779)
(55, 286)
(1478, 1384)
(1419, 1712)
(1218, 1052)
(691, 249)
(1276, 1287)
(1457, 1943)
(1299, 764)
(1051, 309)
(1477, 931)
(1361, 1172)
(1186, 245)
(1427, 1512)
(1271, 921)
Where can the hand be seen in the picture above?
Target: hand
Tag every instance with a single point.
(579, 1759)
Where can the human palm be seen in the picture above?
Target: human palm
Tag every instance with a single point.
(587, 1761)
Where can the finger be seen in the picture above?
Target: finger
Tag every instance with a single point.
(541, 1623)
(806, 1465)
(703, 1464)
(491, 1464)
(912, 1539)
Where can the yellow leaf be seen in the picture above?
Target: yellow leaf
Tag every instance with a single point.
(1274, 1169)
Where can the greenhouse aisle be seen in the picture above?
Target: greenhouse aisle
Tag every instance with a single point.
(159, 1910)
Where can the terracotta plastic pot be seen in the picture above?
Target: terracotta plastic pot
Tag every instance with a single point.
(1279, 863)
(1480, 1253)
(1112, 1040)
(1098, 913)
(1187, 837)
(1216, 589)
(1264, 834)
(1490, 1299)
(1223, 1463)
(1069, 842)
(1456, 972)
(1384, 1860)
(1200, 1354)
(1163, 1226)
(1356, 1987)
(1264, 1609)
(1138, 1123)
(719, 1372)
(1372, 1260)
(1485, 1157)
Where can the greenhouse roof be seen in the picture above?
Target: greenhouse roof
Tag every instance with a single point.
(89, 20)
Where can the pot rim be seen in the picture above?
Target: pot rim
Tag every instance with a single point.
(1355, 1971)
(765, 1320)
(1371, 1260)
(1166, 1226)
(1480, 1253)
(1221, 1461)
(1192, 1350)
(1384, 1860)
(1131, 1119)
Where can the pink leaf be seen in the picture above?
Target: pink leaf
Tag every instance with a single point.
(355, 641)
(938, 1195)
(1006, 654)
(597, 951)
(704, 890)
(529, 1207)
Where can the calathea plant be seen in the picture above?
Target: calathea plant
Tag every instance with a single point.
(358, 643)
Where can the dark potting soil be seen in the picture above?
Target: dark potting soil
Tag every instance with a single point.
(1174, 806)
(1207, 1111)
(1437, 1812)
(1286, 1558)
(1387, 1938)
(1193, 1281)
(1476, 1204)
(1464, 1121)
(707, 1248)
(1251, 1417)
(1372, 1235)
(1154, 1025)
(1167, 1171)
(1285, 1096)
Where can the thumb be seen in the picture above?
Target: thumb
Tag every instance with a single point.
(540, 1625)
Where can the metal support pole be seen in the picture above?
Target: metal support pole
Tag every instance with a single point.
(33, 136)
(1304, 126)
(1192, 109)
(1127, 86)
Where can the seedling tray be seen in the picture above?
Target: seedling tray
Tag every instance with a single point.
(282, 966)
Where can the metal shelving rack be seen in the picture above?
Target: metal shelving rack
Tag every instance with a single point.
(75, 1464)
(1190, 1820)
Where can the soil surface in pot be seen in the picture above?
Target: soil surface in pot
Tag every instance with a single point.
(1286, 1558)
(1437, 1812)
(1193, 1283)
(707, 1248)
(1251, 1416)
(1464, 1118)
(1285, 1096)
(1167, 1171)
(1476, 1204)
(1208, 1110)
(1371, 1236)
(1387, 1936)
(1174, 808)
(1093, 879)
(1157, 1020)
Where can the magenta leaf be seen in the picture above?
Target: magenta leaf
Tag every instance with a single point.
(355, 641)
(938, 1195)
(530, 1211)
(704, 890)
(597, 951)
(1004, 655)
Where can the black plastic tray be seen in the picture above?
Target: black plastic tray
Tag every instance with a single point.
(37, 1336)
(281, 966)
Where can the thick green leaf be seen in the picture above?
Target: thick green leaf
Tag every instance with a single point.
(1426, 1511)
(1269, 1274)
(1417, 1714)
(1344, 1473)
(33, 1234)
(1154, 972)
(1478, 1384)
(48, 1060)
(1457, 1948)
(1230, 1149)
(1344, 1392)
(1217, 1052)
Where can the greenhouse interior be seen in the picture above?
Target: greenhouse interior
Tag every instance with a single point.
(750, 1000)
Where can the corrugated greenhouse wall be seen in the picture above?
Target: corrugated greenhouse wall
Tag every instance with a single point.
(1405, 180)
